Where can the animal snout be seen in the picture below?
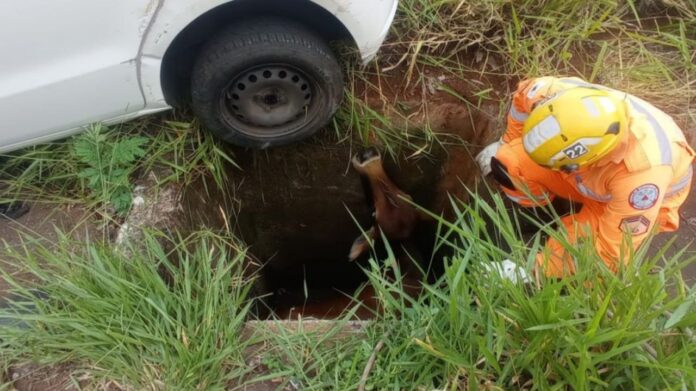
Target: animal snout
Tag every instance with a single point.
(367, 155)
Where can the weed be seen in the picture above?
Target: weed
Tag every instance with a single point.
(168, 315)
(82, 169)
(472, 330)
(107, 165)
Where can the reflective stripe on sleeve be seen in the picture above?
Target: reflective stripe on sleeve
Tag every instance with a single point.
(681, 183)
(587, 192)
(518, 115)
(662, 140)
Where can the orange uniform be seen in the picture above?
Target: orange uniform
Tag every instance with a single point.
(636, 188)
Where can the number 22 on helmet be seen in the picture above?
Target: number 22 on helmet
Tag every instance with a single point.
(574, 128)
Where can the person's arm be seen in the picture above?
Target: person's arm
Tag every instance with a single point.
(518, 112)
(528, 93)
(631, 214)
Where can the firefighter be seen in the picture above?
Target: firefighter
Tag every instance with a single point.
(624, 160)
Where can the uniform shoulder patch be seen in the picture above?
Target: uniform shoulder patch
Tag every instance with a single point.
(644, 196)
(635, 225)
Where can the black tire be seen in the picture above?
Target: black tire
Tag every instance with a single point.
(266, 82)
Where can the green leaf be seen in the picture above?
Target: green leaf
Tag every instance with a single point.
(679, 313)
(127, 150)
(121, 200)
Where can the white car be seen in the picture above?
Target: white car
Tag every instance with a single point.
(257, 73)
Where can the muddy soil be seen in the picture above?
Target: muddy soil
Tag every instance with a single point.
(684, 238)
(43, 223)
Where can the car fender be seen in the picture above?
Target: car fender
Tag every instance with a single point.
(367, 21)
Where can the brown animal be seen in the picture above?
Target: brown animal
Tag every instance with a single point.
(395, 219)
(395, 216)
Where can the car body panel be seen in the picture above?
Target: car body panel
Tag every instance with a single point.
(74, 62)
(66, 64)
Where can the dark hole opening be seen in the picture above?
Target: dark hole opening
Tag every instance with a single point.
(321, 283)
(298, 209)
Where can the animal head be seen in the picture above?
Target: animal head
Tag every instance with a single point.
(395, 217)
(368, 161)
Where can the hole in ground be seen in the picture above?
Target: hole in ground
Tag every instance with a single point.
(298, 209)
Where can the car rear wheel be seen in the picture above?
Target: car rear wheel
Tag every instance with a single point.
(265, 83)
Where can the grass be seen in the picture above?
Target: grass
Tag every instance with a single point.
(57, 173)
(470, 330)
(172, 319)
(643, 47)
(120, 318)
(167, 315)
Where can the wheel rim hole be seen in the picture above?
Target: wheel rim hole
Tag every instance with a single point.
(267, 74)
(304, 87)
(295, 78)
(282, 74)
(252, 78)
(241, 86)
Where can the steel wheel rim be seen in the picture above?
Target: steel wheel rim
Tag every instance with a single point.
(268, 101)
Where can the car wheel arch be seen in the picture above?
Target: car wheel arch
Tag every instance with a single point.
(179, 51)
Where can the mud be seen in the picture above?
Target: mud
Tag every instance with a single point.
(684, 238)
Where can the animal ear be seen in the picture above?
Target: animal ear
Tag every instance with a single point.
(361, 244)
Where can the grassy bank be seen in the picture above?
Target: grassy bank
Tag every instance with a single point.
(120, 319)
(642, 47)
(166, 315)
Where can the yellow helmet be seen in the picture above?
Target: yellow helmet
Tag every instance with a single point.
(574, 128)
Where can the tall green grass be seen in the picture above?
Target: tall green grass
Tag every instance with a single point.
(535, 37)
(170, 317)
(471, 330)
(167, 315)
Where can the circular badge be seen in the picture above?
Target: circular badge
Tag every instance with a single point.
(644, 196)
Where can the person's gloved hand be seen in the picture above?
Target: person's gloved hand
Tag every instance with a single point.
(508, 270)
(483, 159)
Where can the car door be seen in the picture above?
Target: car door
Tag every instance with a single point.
(67, 63)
